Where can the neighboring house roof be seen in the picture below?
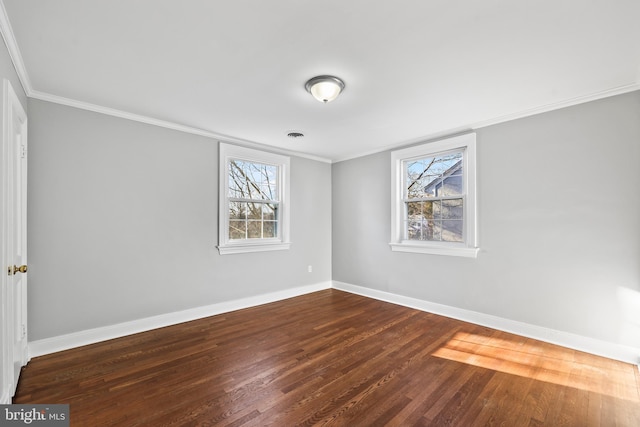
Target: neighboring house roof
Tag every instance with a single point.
(435, 185)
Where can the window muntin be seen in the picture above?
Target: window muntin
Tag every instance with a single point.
(433, 195)
(254, 193)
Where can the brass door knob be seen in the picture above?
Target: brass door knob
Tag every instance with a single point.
(15, 269)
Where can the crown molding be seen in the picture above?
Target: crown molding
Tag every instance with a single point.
(631, 87)
(14, 52)
(43, 96)
(620, 90)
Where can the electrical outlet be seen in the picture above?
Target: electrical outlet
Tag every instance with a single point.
(310, 269)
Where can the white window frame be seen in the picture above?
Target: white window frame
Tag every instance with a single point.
(233, 246)
(467, 248)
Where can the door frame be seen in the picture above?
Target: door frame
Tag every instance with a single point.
(13, 305)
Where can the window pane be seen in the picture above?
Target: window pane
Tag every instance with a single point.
(253, 172)
(431, 185)
(414, 210)
(426, 177)
(268, 192)
(267, 182)
(237, 210)
(237, 179)
(254, 229)
(414, 230)
(432, 230)
(270, 173)
(457, 171)
(234, 187)
(432, 209)
(250, 180)
(452, 209)
(451, 186)
(452, 231)
(415, 175)
(269, 211)
(254, 211)
(237, 229)
(270, 229)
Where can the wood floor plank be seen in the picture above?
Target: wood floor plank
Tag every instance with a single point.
(336, 359)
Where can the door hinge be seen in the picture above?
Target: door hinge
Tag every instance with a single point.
(23, 151)
(24, 331)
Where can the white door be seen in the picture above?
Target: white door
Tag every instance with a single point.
(13, 330)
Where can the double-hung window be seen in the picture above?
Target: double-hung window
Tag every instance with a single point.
(434, 201)
(254, 200)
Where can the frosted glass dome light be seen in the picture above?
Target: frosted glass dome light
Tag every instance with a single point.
(325, 88)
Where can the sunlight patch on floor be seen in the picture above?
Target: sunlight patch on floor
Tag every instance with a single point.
(542, 362)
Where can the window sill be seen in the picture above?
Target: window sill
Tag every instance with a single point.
(460, 251)
(252, 247)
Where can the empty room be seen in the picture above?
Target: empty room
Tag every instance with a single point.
(360, 213)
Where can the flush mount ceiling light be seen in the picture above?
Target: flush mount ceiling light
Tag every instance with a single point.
(325, 88)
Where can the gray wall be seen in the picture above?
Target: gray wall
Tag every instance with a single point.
(123, 224)
(559, 225)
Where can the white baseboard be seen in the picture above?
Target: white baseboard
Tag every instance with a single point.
(565, 339)
(90, 336)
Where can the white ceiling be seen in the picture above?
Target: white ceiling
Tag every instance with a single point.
(414, 69)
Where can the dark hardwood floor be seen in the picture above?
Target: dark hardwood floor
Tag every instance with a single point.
(332, 358)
